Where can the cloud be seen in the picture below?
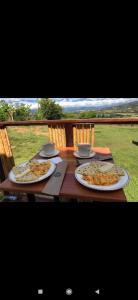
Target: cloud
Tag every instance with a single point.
(28, 101)
(92, 102)
(77, 103)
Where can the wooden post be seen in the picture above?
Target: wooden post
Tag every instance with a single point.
(69, 135)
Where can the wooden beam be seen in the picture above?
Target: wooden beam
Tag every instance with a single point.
(64, 121)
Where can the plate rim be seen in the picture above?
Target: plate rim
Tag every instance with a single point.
(34, 181)
(76, 155)
(56, 152)
(99, 187)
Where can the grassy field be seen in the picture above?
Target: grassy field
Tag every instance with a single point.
(26, 141)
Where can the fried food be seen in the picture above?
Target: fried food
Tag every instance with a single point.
(27, 178)
(31, 171)
(101, 179)
(39, 169)
(100, 173)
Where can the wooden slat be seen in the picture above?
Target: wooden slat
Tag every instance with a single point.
(57, 135)
(93, 136)
(88, 134)
(50, 133)
(78, 139)
(81, 134)
(58, 129)
(58, 132)
(7, 160)
(85, 134)
(53, 132)
(63, 136)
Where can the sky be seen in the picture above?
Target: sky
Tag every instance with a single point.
(76, 103)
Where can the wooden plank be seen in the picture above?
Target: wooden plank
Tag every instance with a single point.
(74, 136)
(9, 152)
(50, 133)
(62, 121)
(59, 135)
(92, 136)
(63, 135)
(85, 134)
(88, 134)
(53, 132)
(5, 152)
(81, 134)
(78, 136)
(56, 136)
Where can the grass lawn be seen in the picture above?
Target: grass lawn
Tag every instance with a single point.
(119, 140)
(26, 141)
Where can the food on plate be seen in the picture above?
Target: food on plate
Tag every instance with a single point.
(31, 171)
(27, 177)
(39, 169)
(19, 170)
(101, 179)
(100, 173)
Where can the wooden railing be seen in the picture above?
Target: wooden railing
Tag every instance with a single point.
(6, 156)
(64, 121)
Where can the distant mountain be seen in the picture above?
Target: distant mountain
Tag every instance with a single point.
(133, 106)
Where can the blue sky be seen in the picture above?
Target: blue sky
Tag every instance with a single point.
(70, 103)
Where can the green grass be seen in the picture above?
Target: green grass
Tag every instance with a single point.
(119, 140)
(27, 141)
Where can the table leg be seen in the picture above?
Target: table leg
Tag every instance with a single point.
(31, 197)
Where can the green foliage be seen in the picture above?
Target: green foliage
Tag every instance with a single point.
(87, 115)
(3, 115)
(70, 115)
(48, 109)
(6, 111)
(22, 112)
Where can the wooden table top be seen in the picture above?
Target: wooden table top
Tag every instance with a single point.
(71, 188)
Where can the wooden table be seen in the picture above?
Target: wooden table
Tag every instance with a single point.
(71, 188)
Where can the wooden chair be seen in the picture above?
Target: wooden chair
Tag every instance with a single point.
(83, 133)
(57, 135)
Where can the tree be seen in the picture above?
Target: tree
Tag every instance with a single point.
(6, 111)
(22, 112)
(48, 109)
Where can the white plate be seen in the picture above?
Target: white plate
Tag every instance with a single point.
(76, 154)
(50, 171)
(43, 154)
(121, 183)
